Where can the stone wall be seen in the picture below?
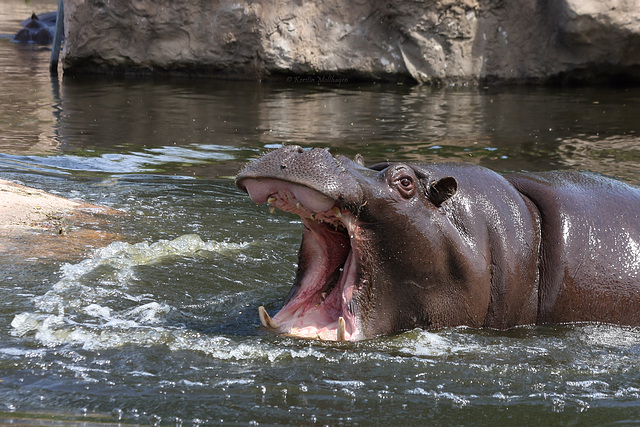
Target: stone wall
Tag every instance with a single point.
(439, 41)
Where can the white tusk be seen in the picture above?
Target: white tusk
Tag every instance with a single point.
(265, 319)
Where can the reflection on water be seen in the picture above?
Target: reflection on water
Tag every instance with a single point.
(164, 329)
(186, 126)
(27, 120)
(145, 160)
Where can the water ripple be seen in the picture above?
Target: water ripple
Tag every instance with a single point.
(94, 304)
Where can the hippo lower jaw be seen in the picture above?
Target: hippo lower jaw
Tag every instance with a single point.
(321, 304)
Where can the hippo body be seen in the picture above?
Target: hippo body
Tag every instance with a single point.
(398, 246)
(590, 254)
(37, 29)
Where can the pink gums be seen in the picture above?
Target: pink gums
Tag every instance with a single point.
(316, 307)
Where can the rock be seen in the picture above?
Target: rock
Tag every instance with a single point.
(443, 41)
(35, 225)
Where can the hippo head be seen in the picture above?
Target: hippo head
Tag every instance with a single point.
(379, 252)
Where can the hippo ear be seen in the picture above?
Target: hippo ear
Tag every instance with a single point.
(442, 189)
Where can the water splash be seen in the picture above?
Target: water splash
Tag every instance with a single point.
(97, 304)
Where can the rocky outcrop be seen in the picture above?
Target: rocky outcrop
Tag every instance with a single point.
(441, 41)
(38, 226)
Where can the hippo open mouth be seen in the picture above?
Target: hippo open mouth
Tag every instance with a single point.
(320, 302)
(397, 246)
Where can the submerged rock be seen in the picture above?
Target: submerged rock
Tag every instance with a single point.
(443, 41)
(38, 226)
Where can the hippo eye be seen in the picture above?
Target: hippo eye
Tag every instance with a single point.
(405, 186)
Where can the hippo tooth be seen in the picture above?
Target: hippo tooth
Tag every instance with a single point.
(272, 209)
(323, 296)
(271, 199)
(341, 327)
(265, 319)
(337, 212)
(298, 205)
(313, 216)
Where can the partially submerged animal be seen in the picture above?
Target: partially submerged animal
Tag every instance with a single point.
(37, 29)
(398, 246)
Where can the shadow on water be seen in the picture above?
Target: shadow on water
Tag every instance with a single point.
(162, 326)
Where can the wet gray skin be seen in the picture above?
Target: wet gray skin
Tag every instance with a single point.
(399, 246)
(387, 248)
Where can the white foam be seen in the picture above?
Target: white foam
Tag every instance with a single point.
(444, 396)
(428, 344)
(11, 351)
(92, 306)
(589, 384)
(354, 384)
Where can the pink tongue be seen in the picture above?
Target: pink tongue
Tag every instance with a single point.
(260, 189)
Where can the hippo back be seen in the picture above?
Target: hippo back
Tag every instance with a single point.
(590, 252)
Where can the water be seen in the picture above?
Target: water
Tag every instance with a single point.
(161, 327)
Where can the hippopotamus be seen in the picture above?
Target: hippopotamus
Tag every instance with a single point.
(398, 246)
(37, 29)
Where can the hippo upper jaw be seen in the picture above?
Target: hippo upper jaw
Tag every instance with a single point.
(315, 169)
(323, 302)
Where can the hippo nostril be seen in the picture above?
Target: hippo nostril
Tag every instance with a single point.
(300, 150)
(283, 167)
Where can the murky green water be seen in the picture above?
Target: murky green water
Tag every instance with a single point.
(162, 327)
